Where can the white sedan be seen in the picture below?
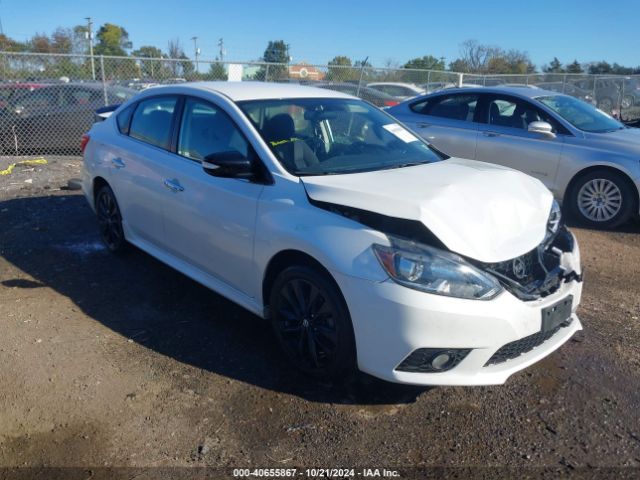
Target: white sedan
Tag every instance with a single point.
(365, 247)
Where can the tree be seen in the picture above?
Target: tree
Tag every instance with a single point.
(62, 40)
(180, 65)
(217, 71)
(149, 68)
(277, 52)
(340, 68)
(112, 40)
(40, 43)
(487, 59)
(426, 62)
(574, 67)
(554, 66)
(599, 68)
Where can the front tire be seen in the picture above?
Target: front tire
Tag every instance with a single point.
(605, 104)
(110, 220)
(627, 102)
(312, 323)
(602, 199)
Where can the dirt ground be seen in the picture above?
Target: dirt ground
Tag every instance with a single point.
(122, 362)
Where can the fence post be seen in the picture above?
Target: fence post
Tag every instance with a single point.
(364, 64)
(428, 80)
(104, 82)
(564, 82)
(266, 73)
(460, 79)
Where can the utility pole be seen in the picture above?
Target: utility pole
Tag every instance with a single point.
(221, 49)
(196, 50)
(90, 38)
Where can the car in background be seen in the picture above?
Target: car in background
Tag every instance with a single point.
(569, 89)
(630, 92)
(51, 118)
(398, 90)
(607, 91)
(364, 247)
(589, 160)
(10, 90)
(379, 99)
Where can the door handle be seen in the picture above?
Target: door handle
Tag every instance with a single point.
(423, 125)
(173, 185)
(491, 134)
(118, 163)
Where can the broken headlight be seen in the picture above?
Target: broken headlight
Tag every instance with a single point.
(554, 218)
(435, 271)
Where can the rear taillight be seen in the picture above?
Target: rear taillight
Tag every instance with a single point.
(390, 103)
(83, 142)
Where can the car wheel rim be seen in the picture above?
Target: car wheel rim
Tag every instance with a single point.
(627, 102)
(306, 323)
(109, 220)
(599, 200)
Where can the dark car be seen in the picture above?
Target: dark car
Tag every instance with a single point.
(607, 91)
(380, 99)
(52, 118)
(631, 93)
(9, 91)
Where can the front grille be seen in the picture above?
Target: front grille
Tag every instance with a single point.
(515, 349)
(537, 273)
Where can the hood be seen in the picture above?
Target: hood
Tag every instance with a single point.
(482, 211)
(627, 138)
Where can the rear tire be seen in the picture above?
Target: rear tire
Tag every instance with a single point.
(602, 199)
(312, 324)
(627, 101)
(110, 220)
(605, 104)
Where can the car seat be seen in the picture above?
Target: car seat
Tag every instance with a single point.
(294, 153)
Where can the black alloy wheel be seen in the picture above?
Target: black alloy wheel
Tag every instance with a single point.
(312, 323)
(110, 220)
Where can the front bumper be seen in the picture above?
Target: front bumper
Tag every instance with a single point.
(391, 321)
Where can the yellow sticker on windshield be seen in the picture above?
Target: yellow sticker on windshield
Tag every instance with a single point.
(286, 140)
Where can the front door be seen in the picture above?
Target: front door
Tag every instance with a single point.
(209, 221)
(504, 139)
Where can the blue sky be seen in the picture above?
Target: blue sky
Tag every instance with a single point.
(588, 30)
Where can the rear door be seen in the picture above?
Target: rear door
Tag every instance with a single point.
(448, 122)
(137, 164)
(505, 140)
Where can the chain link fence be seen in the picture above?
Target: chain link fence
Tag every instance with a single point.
(47, 101)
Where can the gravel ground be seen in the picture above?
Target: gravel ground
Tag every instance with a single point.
(120, 361)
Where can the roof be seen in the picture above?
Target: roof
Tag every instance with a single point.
(517, 91)
(238, 91)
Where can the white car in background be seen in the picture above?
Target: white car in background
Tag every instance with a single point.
(364, 246)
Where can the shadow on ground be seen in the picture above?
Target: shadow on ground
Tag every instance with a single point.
(54, 240)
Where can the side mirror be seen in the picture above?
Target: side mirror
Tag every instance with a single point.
(543, 128)
(230, 164)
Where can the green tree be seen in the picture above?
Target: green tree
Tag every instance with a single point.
(574, 67)
(149, 68)
(277, 52)
(340, 69)
(112, 40)
(554, 66)
(599, 68)
(426, 62)
(217, 71)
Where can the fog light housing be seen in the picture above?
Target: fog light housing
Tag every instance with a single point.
(433, 360)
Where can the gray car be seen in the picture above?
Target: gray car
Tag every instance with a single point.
(590, 161)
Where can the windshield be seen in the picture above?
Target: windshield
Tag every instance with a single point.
(325, 136)
(580, 114)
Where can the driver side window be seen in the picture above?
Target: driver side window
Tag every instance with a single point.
(205, 129)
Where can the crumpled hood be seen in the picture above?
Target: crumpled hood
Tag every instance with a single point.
(482, 211)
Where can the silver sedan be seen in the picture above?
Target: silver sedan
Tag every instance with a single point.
(589, 160)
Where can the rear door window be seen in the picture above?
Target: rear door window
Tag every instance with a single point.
(152, 120)
(455, 107)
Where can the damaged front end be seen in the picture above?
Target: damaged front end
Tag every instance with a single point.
(541, 271)
(533, 275)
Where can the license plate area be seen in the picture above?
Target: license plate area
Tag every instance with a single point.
(556, 314)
